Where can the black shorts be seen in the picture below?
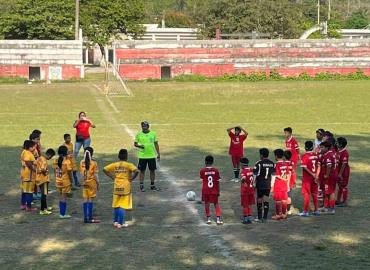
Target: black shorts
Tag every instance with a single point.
(143, 162)
(263, 192)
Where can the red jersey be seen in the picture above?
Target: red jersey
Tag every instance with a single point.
(291, 171)
(210, 177)
(292, 145)
(336, 156)
(309, 161)
(82, 129)
(236, 144)
(281, 173)
(329, 159)
(343, 160)
(247, 187)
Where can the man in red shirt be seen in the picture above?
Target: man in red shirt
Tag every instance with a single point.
(210, 177)
(344, 172)
(247, 191)
(329, 176)
(236, 150)
(281, 185)
(291, 145)
(310, 171)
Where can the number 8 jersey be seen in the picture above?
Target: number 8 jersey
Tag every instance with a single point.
(210, 177)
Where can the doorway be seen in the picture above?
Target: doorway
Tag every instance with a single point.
(34, 74)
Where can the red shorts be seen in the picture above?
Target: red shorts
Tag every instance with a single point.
(330, 185)
(210, 198)
(343, 183)
(281, 196)
(235, 160)
(310, 188)
(247, 199)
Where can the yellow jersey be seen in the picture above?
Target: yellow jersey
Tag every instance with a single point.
(70, 155)
(122, 172)
(42, 171)
(27, 174)
(62, 175)
(89, 177)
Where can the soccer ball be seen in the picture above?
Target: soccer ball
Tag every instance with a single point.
(190, 196)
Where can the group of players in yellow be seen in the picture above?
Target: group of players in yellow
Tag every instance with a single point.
(35, 178)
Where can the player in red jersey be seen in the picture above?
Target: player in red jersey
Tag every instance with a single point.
(291, 145)
(292, 178)
(210, 177)
(236, 150)
(329, 176)
(310, 173)
(344, 172)
(281, 185)
(247, 190)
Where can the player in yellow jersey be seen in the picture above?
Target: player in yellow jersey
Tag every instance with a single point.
(35, 136)
(43, 179)
(68, 143)
(89, 172)
(63, 179)
(123, 173)
(28, 173)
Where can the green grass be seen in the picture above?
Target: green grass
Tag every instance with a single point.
(191, 121)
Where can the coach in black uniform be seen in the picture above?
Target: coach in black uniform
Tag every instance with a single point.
(263, 171)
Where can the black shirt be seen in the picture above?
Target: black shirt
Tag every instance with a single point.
(263, 171)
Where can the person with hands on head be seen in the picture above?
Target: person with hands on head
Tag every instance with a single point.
(236, 150)
(82, 126)
(148, 153)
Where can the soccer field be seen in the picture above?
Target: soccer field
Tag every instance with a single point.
(166, 231)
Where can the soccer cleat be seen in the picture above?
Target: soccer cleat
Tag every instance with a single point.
(304, 214)
(283, 216)
(316, 213)
(49, 208)
(142, 188)
(331, 211)
(324, 209)
(119, 226)
(115, 224)
(337, 203)
(23, 207)
(64, 217)
(219, 221)
(45, 212)
(258, 220)
(276, 217)
(209, 220)
(245, 220)
(154, 188)
(125, 225)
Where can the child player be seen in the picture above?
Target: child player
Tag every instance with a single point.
(281, 185)
(63, 179)
(123, 173)
(328, 173)
(68, 143)
(210, 177)
(43, 179)
(247, 191)
(35, 136)
(291, 145)
(344, 172)
(236, 150)
(310, 172)
(292, 178)
(89, 172)
(28, 174)
(263, 170)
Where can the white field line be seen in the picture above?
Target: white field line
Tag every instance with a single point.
(216, 239)
(108, 99)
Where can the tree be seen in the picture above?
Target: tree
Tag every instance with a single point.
(357, 20)
(38, 19)
(105, 20)
(178, 19)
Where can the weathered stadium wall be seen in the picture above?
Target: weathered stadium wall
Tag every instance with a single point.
(57, 59)
(144, 59)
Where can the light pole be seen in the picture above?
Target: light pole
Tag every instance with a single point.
(77, 21)
(329, 9)
(318, 12)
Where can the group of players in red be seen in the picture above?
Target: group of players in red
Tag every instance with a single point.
(325, 169)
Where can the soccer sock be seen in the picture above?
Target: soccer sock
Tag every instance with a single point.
(43, 202)
(306, 202)
(218, 210)
(326, 202)
(29, 199)
(284, 207)
(121, 215)
(23, 199)
(85, 209)
(246, 211)
(206, 208)
(259, 210)
(266, 207)
(277, 208)
(315, 201)
(236, 172)
(115, 213)
(75, 178)
(90, 210)
(332, 203)
(345, 194)
(62, 208)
